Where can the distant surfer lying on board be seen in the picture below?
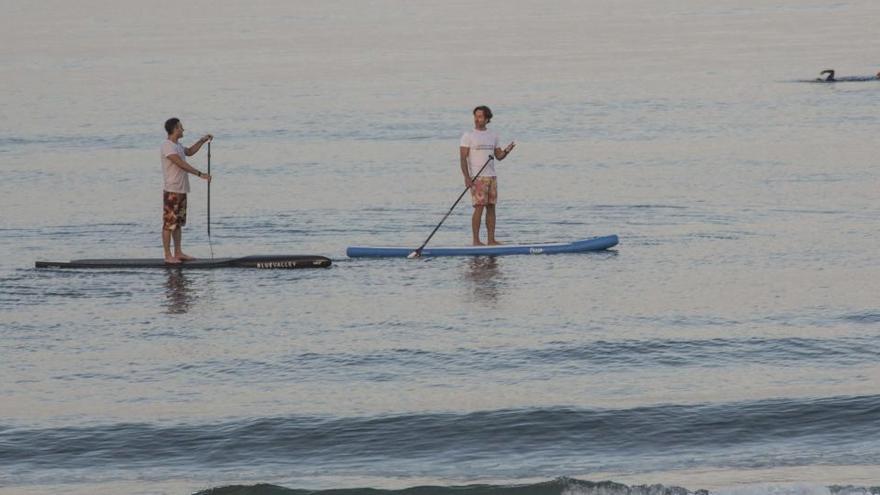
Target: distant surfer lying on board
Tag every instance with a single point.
(476, 150)
(176, 173)
(829, 77)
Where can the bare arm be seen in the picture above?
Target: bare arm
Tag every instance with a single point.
(463, 157)
(192, 150)
(501, 154)
(180, 162)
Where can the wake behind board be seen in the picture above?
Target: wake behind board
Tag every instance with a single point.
(594, 244)
(264, 262)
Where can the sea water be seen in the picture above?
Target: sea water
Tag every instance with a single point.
(729, 342)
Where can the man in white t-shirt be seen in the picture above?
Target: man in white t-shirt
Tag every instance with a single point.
(478, 147)
(176, 172)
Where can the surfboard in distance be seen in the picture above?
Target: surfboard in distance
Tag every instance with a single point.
(593, 244)
(263, 262)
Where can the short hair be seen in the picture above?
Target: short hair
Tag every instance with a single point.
(486, 111)
(170, 124)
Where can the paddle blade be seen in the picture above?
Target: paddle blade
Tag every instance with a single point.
(413, 255)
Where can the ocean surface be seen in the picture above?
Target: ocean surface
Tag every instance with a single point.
(730, 342)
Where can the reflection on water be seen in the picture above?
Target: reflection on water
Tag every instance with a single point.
(485, 278)
(179, 294)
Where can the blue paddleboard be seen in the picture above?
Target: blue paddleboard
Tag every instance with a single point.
(594, 244)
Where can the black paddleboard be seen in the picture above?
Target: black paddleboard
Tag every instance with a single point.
(264, 262)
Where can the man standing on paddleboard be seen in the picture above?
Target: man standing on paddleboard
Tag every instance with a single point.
(476, 148)
(176, 172)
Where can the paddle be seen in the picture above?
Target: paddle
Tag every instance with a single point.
(210, 244)
(418, 252)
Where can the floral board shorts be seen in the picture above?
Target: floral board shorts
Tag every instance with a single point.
(484, 191)
(174, 214)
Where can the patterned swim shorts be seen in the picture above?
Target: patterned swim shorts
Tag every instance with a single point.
(174, 214)
(484, 191)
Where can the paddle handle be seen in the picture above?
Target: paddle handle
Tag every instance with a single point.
(418, 251)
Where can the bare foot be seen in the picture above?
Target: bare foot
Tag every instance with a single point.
(493, 242)
(185, 257)
(478, 243)
(172, 261)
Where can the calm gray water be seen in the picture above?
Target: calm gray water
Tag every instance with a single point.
(728, 343)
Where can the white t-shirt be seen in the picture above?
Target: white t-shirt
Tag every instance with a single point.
(482, 144)
(176, 178)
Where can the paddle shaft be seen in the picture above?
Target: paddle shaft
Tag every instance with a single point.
(209, 202)
(418, 251)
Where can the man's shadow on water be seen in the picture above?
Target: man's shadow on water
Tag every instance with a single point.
(485, 277)
(180, 294)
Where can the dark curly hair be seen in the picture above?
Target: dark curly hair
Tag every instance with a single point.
(486, 111)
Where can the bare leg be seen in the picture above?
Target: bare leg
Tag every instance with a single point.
(490, 225)
(475, 224)
(178, 246)
(166, 244)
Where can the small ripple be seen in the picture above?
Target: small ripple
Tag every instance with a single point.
(579, 358)
(867, 317)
